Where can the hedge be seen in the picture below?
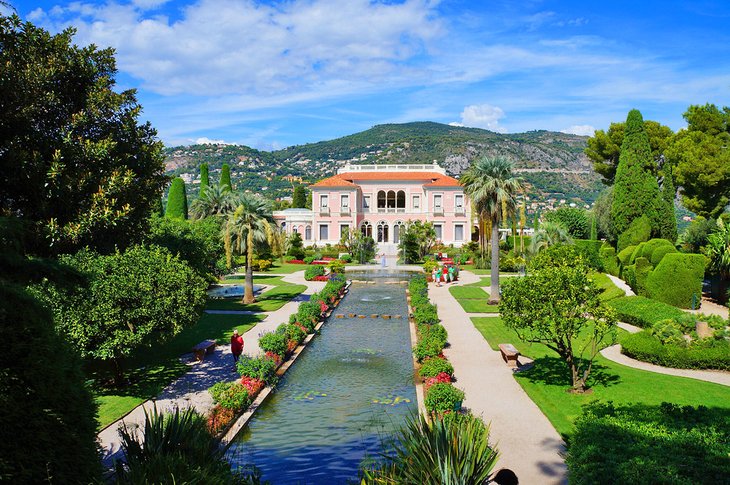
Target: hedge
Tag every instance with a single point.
(642, 269)
(667, 444)
(638, 232)
(651, 246)
(677, 279)
(660, 252)
(642, 311)
(609, 260)
(647, 348)
(312, 271)
(625, 254)
(435, 366)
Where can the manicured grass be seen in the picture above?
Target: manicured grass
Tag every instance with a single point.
(547, 381)
(473, 299)
(258, 279)
(478, 306)
(285, 268)
(269, 301)
(610, 290)
(460, 292)
(477, 271)
(150, 370)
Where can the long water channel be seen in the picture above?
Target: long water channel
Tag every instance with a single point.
(349, 390)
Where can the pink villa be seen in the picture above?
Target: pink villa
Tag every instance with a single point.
(380, 200)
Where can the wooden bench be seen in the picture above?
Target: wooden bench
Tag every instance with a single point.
(509, 354)
(203, 348)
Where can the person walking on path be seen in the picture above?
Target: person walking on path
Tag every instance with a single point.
(439, 272)
(236, 345)
(451, 276)
(382, 260)
(433, 274)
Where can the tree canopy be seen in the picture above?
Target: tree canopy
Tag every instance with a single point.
(299, 198)
(76, 163)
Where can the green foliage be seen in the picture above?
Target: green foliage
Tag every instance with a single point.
(292, 332)
(667, 215)
(362, 248)
(173, 448)
(609, 290)
(636, 192)
(417, 240)
(642, 311)
(574, 219)
(695, 237)
(639, 231)
(443, 397)
(718, 249)
(594, 229)
(431, 340)
(295, 246)
(76, 163)
(312, 271)
(204, 177)
(650, 248)
(225, 180)
(677, 279)
(134, 299)
(299, 197)
(261, 368)
(336, 266)
(642, 268)
(230, 395)
(609, 261)
(434, 366)
(451, 450)
(177, 200)
(624, 256)
(273, 342)
(668, 332)
(46, 404)
(574, 307)
(638, 250)
(674, 353)
(590, 250)
(553, 256)
(635, 443)
(701, 159)
(602, 215)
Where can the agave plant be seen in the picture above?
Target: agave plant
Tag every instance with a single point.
(454, 450)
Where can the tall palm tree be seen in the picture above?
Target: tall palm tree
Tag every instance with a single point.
(549, 234)
(492, 187)
(251, 221)
(214, 201)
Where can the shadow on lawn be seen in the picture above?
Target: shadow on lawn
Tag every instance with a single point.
(554, 371)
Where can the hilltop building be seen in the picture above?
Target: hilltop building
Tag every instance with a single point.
(380, 200)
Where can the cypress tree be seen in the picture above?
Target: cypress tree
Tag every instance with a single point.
(299, 198)
(636, 191)
(226, 177)
(177, 200)
(204, 179)
(668, 227)
(536, 223)
(594, 229)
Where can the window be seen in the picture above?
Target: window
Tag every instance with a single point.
(458, 232)
(324, 232)
(437, 202)
(398, 229)
(381, 199)
(391, 199)
(382, 231)
(344, 201)
(459, 201)
(366, 202)
(323, 201)
(439, 231)
(416, 201)
(367, 229)
(400, 200)
(344, 230)
(308, 233)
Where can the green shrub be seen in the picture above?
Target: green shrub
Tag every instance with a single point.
(429, 265)
(625, 255)
(425, 313)
(712, 354)
(177, 200)
(347, 258)
(336, 266)
(574, 219)
(668, 332)
(261, 368)
(312, 271)
(435, 366)
(292, 332)
(230, 395)
(666, 444)
(677, 279)
(660, 252)
(642, 311)
(609, 260)
(652, 245)
(273, 342)
(443, 397)
(590, 250)
(260, 264)
(639, 231)
(629, 276)
(642, 268)
(427, 349)
(637, 251)
(610, 290)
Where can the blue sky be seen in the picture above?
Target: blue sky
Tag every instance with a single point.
(273, 74)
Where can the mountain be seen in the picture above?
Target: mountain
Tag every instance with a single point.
(552, 163)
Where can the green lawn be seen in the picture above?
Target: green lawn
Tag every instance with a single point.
(473, 299)
(258, 279)
(270, 300)
(150, 370)
(610, 290)
(471, 292)
(285, 268)
(547, 381)
(476, 271)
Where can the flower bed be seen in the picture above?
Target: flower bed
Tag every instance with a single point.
(233, 398)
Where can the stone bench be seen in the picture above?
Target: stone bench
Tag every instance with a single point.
(203, 348)
(509, 354)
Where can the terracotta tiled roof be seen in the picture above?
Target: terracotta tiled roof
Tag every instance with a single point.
(335, 181)
(350, 179)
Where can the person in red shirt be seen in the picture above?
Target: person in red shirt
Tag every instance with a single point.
(236, 345)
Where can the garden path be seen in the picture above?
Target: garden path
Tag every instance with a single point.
(527, 442)
(191, 389)
(621, 284)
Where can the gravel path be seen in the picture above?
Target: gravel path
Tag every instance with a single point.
(191, 389)
(527, 442)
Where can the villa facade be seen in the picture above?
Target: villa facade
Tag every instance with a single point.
(380, 200)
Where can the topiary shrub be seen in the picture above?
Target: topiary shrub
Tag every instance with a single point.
(642, 311)
(710, 354)
(313, 271)
(642, 268)
(660, 252)
(637, 252)
(625, 255)
(652, 245)
(639, 231)
(609, 261)
(443, 397)
(677, 279)
(435, 366)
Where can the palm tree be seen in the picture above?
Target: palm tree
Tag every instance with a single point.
(251, 221)
(549, 234)
(492, 187)
(214, 201)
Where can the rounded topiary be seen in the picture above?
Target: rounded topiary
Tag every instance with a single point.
(639, 231)
(660, 252)
(677, 280)
(177, 200)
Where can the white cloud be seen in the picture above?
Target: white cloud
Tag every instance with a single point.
(482, 116)
(204, 140)
(582, 130)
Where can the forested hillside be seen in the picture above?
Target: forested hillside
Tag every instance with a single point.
(553, 163)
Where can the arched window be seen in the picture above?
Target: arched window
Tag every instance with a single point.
(308, 233)
(367, 229)
(391, 199)
(294, 229)
(398, 229)
(382, 232)
(381, 199)
(283, 226)
(400, 201)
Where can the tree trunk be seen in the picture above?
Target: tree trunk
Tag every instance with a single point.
(494, 273)
(118, 373)
(248, 286)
